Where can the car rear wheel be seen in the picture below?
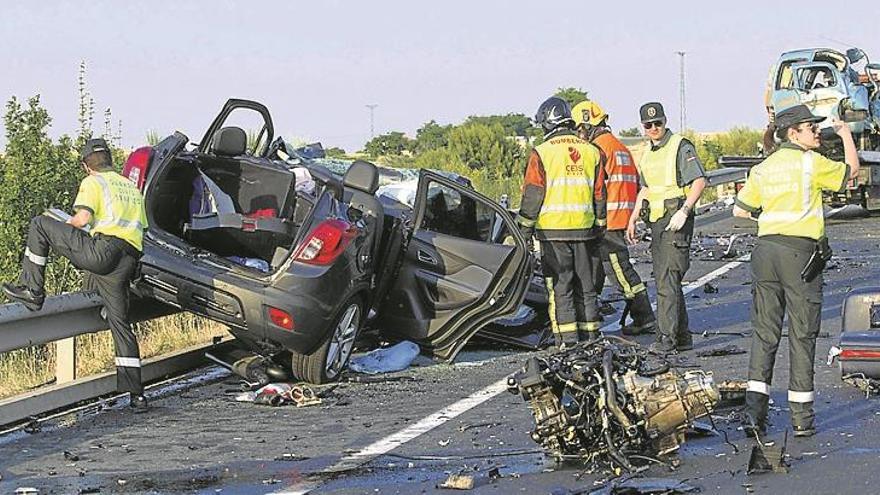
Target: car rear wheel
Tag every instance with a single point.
(327, 362)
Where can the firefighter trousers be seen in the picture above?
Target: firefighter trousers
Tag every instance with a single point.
(569, 271)
(110, 264)
(670, 255)
(615, 263)
(777, 288)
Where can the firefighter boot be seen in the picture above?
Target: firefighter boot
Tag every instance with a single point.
(684, 341)
(757, 407)
(642, 315)
(802, 418)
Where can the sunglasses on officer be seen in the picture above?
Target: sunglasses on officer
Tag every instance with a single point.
(812, 127)
(654, 123)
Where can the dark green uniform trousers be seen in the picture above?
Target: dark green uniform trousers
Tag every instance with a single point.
(777, 262)
(569, 271)
(615, 264)
(110, 264)
(670, 254)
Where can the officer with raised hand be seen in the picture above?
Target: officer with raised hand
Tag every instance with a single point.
(784, 193)
(563, 206)
(114, 209)
(673, 180)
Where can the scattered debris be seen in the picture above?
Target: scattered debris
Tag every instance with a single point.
(767, 457)
(32, 426)
(395, 358)
(611, 402)
(870, 386)
(70, 456)
(26, 490)
(458, 482)
(524, 314)
(732, 393)
(708, 288)
(645, 486)
(728, 350)
(277, 394)
(291, 457)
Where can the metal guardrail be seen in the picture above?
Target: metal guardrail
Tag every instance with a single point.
(726, 175)
(62, 318)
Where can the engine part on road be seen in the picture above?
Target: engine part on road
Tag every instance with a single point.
(612, 402)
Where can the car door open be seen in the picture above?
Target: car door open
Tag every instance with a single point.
(460, 269)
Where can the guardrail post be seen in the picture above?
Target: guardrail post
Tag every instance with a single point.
(65, 360)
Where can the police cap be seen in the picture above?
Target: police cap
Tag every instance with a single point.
(651, 112)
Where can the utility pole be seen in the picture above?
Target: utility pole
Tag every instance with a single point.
(683, 101)
(372, 107)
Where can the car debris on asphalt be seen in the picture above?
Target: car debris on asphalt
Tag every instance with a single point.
(278, 394)
(612, 403)
(728, 350)
(643, 486)
(386, 360)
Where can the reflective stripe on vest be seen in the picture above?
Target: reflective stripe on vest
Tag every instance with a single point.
(780, 176)
(121, 209)
(622, 180)
(569, 168)
(660, 170)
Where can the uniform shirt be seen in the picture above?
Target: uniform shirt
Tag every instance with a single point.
(688, 163)
(116, 205)
(787, 204)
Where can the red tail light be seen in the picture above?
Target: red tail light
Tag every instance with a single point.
(281, 318)
(860, 354)
(137, 165)
(326, 242)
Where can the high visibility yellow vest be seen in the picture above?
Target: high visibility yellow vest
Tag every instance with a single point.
(791, 194)
(570, 172)
(117, 207)
(660, 171)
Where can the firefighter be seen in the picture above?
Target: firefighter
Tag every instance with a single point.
(673, 179)
(113, 208)
(784, 193)
(563, 206)
(622, 187)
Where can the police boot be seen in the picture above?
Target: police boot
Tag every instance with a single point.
(757, 407)
(22, 294)
(664, 345)
(138, 404)
(802, 419)
(642, 316)
(684, 341)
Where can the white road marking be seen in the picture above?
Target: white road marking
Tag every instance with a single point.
(440, 417)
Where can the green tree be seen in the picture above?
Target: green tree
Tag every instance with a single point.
(431, 136)
(392, 143)
(485, 147)
(35, 174)
(572, 95)
(335, 152)
(631, 132)
(513, 124)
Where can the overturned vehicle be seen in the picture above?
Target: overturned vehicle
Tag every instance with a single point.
(294, 258)
(610, 402)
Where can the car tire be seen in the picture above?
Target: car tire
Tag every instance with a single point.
(327, 362)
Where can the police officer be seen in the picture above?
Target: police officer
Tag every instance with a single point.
(563, 205)
(114, 209)
(673, 179)
(784, 192)
(622, 187)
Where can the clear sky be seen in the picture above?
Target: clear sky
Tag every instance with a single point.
(166, 65)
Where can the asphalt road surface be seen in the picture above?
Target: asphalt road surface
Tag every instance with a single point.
(408, 431)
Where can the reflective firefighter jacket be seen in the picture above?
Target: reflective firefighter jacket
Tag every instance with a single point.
(116, 205)
(659, 168)
(563, 191)
(621, 180)
(786, 189)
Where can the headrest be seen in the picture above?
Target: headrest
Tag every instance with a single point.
(363, 176)
(229, 141)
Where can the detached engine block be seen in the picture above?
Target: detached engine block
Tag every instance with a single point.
(611, 401)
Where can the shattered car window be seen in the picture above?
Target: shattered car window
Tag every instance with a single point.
(449, 212)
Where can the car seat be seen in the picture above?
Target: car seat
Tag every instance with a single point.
(359, 185)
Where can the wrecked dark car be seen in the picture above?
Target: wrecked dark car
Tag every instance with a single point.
(293, 258)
